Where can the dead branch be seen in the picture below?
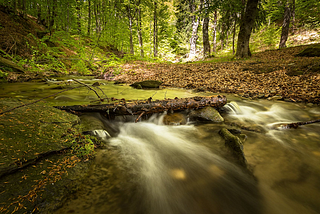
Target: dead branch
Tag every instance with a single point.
(282, 126)
(101, 99)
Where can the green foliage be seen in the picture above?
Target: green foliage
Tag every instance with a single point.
(3, 74)
(267, 37)
(83, 146)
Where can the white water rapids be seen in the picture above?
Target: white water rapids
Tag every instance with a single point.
(150, 168)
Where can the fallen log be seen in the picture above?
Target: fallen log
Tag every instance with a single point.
(149, 106)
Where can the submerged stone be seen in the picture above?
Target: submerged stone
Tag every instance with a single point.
(146, 84)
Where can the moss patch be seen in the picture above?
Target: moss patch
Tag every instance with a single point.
(36, 136)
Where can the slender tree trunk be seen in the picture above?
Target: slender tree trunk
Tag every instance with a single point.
(214, 42)
(68, 17)
(222, 36)
(89, 17)
(234, 33)
(195, 26)
(139, 30)
(151, 38)
(23, 8)
(205, 34)
(246, 25)
(131, 39)
(293, 14)
(155, 31)
(38, 13)
(285, 25)
(78, 16)
(52, 17)
(206, 43)
(14, 6)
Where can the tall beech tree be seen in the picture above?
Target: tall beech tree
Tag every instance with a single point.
(195, 20)
(246, 24)
(286, 23)
(205, 30)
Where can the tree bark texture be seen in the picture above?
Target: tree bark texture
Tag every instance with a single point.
(149, 106)
(285, 25)
(246, 25)
(214, 42)
(205, 34)
(89, 17)
(139, 30)
(195, 25)
(205, 29)
(155, 31)
(78, 16)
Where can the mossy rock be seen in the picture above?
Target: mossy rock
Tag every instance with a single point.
(30, 131)
(146, 84)
(310, 52)
(207, 113)
(235, 145)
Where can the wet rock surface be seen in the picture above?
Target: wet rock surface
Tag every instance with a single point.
(207, 113)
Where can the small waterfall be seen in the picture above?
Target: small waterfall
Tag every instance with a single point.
(232, 107)
(175, 175)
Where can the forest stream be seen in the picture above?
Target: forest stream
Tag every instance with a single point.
(152, 168)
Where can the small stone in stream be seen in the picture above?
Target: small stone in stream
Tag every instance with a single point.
(96, 84)
(260, 96)
(147, 84)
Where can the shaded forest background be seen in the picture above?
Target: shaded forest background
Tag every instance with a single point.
(79, 35)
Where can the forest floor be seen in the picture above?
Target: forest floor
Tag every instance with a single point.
(274, 74)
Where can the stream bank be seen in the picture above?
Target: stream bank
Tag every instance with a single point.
(40, 161)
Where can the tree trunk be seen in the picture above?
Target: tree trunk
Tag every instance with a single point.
(206, 43)
(155, 31)
(214, 42)
(205, 34)
(246, 25)
(139, 30)
(78, 16)
(131, 39)
(285, 26)
(195, 26)
(234, 33)
(293, 14)
(89, 18)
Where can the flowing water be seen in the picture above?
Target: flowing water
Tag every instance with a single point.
(151, 168)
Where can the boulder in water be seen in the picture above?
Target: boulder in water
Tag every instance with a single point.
(207, 113)
(235, 145)
(146, 84)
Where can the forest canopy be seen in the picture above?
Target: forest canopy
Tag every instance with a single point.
(175, 28)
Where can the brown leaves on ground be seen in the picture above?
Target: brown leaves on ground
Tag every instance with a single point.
(267, 74)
